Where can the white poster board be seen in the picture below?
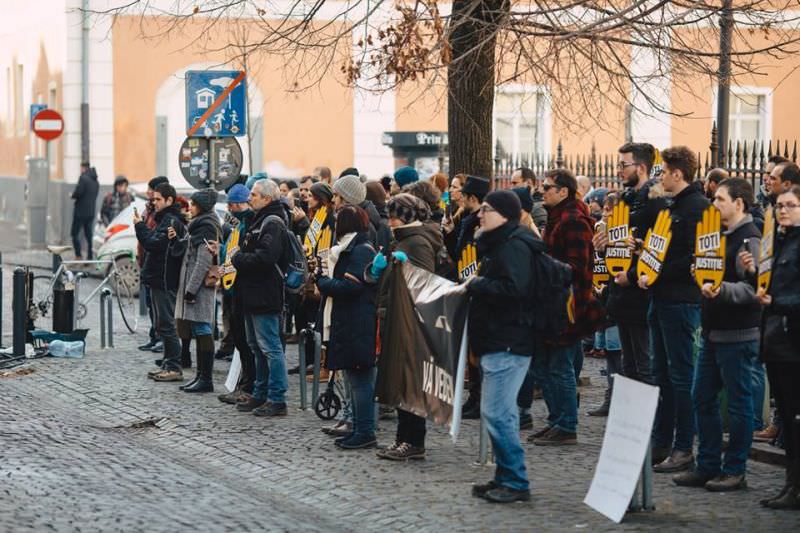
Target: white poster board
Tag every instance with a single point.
(630, 422)
(233, 372)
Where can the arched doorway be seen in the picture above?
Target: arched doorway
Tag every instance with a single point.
(171, 125)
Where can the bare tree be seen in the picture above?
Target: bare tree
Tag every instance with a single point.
(590, 54)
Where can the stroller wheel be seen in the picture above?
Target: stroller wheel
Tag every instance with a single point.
(327, 405)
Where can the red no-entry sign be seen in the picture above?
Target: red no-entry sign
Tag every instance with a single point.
(48, 124)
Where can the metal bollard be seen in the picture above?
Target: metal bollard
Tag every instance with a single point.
(19, 311)
(301, 353)
(647, 481)
(484, 454)
(142, 299)
(106, 319)
(644, 487)
(110, 321)
(317, 357)
(1, 299)
(56, 262)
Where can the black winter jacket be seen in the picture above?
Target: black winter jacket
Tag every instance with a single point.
(781, 332)
(735, 314)
(380, 234)
(85, 195)
(352, 340)
(500, 317)
(161, 268)
(675, 283)
(262, 247)
(629, 304)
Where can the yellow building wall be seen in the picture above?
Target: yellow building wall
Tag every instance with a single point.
(302, 130)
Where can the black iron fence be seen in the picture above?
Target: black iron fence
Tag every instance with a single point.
(745, 159)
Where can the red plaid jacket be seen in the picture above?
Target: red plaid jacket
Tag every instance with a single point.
(569, 239)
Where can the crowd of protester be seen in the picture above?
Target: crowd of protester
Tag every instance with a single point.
(693, 342)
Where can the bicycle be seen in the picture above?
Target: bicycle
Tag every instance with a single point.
(43, 286)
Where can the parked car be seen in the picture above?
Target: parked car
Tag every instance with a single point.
(118, 241)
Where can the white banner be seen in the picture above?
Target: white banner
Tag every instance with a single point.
(630, 422)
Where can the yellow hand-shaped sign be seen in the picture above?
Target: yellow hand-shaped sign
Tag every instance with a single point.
(618, 254)
(600, 274)
(767, 250)
(656, 244)
(709, 250)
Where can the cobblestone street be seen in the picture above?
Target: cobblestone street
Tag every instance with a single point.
(92, 444)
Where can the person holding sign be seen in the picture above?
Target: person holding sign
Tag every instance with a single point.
(627, 303)
(674, 315)
(729, 346)
(781, 338)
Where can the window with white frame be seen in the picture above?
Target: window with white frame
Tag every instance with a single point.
(519, 117)
(749, 115)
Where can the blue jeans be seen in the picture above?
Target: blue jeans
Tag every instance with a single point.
(673, 327)
(264, 338)
(347, 401)
(362, 394)
(759, 390)
(554, 372)
(503, 373)
(607, 339)
(728, 366)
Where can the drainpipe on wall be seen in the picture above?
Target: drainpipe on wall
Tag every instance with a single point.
(85, 81)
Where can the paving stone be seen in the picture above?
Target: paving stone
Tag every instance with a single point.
(71, 460)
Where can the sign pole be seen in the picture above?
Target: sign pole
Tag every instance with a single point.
(212, 162)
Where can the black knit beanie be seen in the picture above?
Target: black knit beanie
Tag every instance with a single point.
(204, 199)
(506, 203)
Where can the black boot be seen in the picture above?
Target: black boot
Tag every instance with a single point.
(603, 409)
(186, 353)
(205, 360)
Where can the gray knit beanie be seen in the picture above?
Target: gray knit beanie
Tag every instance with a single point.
(350, 189)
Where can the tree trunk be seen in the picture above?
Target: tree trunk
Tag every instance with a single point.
(470, 80)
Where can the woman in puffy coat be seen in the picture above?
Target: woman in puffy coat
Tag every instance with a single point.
(781, 339)
(349, 324)
(416, 239)
(196, 302)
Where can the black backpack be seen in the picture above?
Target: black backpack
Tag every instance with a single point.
(295, 273)
(550, 294)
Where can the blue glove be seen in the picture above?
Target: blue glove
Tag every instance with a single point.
(379, 264)
(400, 256)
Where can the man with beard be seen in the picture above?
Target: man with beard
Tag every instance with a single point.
(154, 344)
(161, 271)
(627, 303)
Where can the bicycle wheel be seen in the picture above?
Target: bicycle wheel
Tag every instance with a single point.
(42, 298)
(127, 304)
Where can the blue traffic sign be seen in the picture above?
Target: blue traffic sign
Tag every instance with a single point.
(216, 103)
(35, 108)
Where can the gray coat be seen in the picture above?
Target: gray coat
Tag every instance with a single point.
(196, 261)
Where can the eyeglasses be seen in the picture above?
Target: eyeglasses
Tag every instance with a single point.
(788, 207)
(622, 165)
(547, 186)
(487, 209)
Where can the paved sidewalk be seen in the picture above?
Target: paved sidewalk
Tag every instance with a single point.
(92, 444)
